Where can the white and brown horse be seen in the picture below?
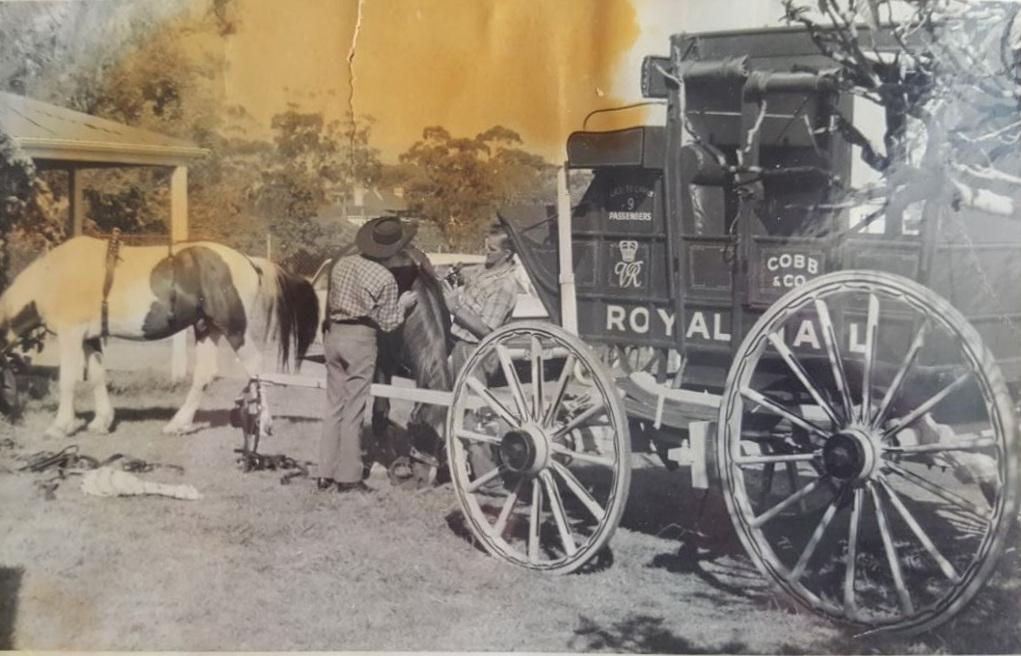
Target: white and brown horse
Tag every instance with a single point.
(153, 292)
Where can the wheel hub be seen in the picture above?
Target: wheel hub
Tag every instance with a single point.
(525, 450)
(851, 455)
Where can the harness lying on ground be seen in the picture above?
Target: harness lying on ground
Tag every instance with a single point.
(251, 461)
(69, 462)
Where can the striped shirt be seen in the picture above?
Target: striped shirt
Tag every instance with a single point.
(489, 293)
(363, 289)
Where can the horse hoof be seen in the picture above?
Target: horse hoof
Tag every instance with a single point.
(100, 425)
(185, 429)
(58, 430)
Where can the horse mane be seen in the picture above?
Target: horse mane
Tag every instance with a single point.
(429, 325)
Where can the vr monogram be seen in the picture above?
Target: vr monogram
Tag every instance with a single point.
(628, 270)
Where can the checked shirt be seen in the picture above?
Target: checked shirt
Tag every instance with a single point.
(490, 293)
(361, 288)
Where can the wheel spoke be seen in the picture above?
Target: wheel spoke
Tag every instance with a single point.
(829, 337)
(484, 479)
(558, 391)
(944, 564)
(746, 461)
(584, 457)
(813, 542)
(929, 404)
(501, 411)
(799, 371)
(898, 379)
(517, 393)
(538, 381)
(575, 486)
(850, 607)
(891, 553)
(559, 515)
(783, 505)
(475, 436)
(592, 411)
(534, 517)
(871, 328)
(781, 411)
(508, 506)
(938, 491)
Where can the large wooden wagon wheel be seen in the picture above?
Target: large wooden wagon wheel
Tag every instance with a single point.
(541, 464)
(886, 509)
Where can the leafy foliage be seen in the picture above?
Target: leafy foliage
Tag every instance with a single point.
(459, 182)
(945, 74)
(27, 209)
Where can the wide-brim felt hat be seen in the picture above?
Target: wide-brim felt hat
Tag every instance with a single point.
(384, 236)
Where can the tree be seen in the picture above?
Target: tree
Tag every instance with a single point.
(146, 71)
(313, 164)
(459, 183)
(947, 80)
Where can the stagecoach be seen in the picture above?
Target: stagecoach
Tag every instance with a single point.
(845, 377)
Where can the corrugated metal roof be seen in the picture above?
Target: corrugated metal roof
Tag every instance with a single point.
(49, 132)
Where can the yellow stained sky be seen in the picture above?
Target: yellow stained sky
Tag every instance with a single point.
(535, 66)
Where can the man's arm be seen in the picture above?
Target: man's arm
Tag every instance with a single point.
(471, 321)
(497, 310)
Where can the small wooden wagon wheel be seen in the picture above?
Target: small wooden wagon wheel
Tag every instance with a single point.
(886, 509)
(541, 464)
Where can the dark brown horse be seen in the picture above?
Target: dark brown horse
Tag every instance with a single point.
(418, 350)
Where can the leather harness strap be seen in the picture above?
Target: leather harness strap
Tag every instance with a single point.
(112, 256)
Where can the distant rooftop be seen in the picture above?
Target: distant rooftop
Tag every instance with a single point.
(51, 133)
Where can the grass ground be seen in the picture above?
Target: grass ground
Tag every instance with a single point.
(255, 565)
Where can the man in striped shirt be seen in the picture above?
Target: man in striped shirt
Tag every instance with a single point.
(362, 299)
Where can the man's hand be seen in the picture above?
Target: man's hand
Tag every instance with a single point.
(406, 301)
(450, 296)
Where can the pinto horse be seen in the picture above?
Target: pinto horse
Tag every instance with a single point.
(83, 290)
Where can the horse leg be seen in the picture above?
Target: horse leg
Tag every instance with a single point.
(96, 374)
(72, 366)
(206, 347)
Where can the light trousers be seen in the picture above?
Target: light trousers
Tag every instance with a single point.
(350, 352)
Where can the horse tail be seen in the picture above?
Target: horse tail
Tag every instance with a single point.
(294, 307)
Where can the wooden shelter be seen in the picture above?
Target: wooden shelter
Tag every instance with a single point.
(59, 138)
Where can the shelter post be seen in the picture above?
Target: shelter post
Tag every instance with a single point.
(179, 232)
(77, 201)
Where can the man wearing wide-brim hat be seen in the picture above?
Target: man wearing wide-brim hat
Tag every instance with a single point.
(362, 299)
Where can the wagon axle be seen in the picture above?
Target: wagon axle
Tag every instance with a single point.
(852, 455)
(525, 450)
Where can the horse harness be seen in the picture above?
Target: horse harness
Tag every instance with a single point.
(113, 247)
(70, 462)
